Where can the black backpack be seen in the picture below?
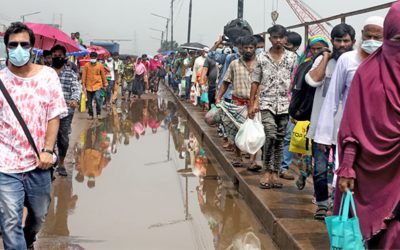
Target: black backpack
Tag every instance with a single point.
(302, 94)
(237, 28)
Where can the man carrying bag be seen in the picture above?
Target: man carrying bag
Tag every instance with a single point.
(31, 104)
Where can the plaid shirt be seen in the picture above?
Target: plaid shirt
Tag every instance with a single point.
(70, 86)
(274, 80)
(239, 75)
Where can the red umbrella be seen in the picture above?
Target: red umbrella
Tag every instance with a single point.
(47, 36)
(102, 53)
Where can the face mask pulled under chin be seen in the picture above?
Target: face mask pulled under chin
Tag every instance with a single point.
(19, 56)
(370, 46)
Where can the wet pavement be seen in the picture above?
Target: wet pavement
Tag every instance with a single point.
(139, 179)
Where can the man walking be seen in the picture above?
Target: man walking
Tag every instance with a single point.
(118, 70)
(93, 80)
(239, 75)
(272, 74)
(25, 178)
(319, 77)
(72, 92)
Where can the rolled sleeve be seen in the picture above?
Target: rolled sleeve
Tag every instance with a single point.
(228, 77)
(257, 73)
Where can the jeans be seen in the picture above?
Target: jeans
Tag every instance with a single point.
(110, 88)
(31, 189)
(63, 135)
(97, 96)
(188, 86)
(287, 155)
(211, 94)
(320, 174)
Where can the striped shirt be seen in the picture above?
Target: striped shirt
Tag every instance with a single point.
(239, 75)
(71, 88)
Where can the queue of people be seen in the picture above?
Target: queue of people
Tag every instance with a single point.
(345, 91)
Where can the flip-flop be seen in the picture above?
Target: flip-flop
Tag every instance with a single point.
(321, 213)
(237, 163)
(277, 185)
(254, 167)
(265, 185)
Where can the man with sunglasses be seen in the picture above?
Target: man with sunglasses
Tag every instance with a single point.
(25, 178)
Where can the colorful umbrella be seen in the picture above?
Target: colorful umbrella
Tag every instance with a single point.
(101, 52)
(47, 36)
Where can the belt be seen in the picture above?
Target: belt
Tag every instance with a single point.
(240, 101)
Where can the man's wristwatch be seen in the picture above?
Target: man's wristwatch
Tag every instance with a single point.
(48, 151)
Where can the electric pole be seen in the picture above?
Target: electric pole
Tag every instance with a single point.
(172, 24)
(190, 21)
(240, 8)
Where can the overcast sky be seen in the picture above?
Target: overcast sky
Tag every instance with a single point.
(122, 19)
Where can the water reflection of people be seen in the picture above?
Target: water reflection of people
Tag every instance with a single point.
(94, 155)
(63, 202)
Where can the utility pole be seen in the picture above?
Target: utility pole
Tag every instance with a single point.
(172, 24)
(240, 8)
(190, 21)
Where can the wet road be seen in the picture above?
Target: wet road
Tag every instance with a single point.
(141, 180)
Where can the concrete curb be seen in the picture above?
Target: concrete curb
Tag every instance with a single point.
(299, 230)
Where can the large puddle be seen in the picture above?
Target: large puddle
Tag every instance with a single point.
(141, 180)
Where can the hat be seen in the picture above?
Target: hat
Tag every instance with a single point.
(374, 20)
(206, 49)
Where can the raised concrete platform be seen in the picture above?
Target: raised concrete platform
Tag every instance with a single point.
(287, 213)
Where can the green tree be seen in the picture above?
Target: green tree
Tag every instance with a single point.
(167, 46)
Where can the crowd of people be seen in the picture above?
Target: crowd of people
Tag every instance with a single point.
(346, 93)
(245, 79)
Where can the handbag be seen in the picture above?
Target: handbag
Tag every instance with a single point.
(344, 232)
(22, 122)
(299, 142)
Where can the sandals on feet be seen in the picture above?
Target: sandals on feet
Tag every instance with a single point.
(237, 162)
(265, 185)
(254, 167)
(321, 213)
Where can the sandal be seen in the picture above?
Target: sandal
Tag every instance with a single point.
(301, 181)
(254, 167)
(275, 182)
(238, 162)
(321, 213)
(265, 185)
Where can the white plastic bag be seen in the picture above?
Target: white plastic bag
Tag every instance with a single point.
(251, 136)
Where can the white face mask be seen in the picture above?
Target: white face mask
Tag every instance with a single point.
(370, 46)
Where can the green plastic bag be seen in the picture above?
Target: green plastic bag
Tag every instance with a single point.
(204, 97)
(103, 93)
(344, 232)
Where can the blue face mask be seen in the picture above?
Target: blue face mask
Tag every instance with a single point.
(235, 50)
(19, 56)
(259, 51)
(93, 60)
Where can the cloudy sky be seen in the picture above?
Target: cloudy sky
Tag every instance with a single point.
(132, 19)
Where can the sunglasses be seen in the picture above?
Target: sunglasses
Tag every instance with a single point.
(14, 45)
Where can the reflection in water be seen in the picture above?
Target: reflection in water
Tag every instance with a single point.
(217, 217)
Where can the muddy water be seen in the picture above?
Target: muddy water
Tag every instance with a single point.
(141, 180)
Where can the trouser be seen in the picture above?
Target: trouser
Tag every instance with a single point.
(115, 91)
(188, 87)
(96, 95)
(63, 135)
(32, 190)
(211, 94)
(320, 174)
(287, 155)
(109, 90)
(274, 127)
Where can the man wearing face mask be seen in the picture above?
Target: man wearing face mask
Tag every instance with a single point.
(93, 80)
(239, 75)
(319, 77)
(346, 67)
(72, 92)
(25, 178)
(260, 44)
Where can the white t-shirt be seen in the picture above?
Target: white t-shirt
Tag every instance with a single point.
(110, 66)
(320, 92)
(188, 71)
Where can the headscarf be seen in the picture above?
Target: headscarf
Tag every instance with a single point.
(371, 124)
(140, 68)
(306, 55)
